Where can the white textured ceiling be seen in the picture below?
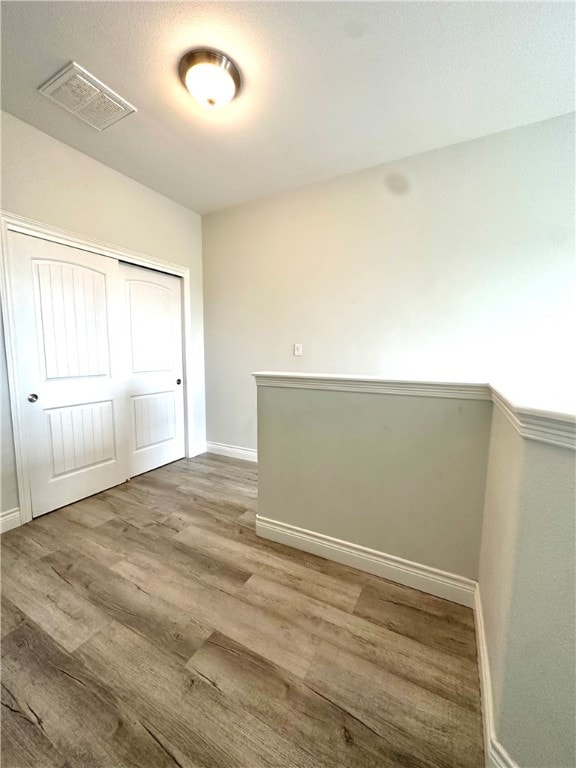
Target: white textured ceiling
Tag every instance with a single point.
(329, 88)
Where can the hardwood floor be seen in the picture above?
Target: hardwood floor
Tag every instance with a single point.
(149, 626)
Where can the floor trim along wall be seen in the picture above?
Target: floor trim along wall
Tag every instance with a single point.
(233, 451)
(9, 519)
(435, 582)
(495, 754)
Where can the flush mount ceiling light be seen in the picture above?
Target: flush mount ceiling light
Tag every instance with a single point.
(211, 77)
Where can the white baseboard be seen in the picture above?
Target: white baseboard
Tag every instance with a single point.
(439, 583)
(9, 519)
(496, 755)
(233, 451)
(431, 580)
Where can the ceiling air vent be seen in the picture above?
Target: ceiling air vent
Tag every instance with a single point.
(80, 93)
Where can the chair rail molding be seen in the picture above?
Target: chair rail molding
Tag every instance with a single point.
(373, 384)
(542, 426)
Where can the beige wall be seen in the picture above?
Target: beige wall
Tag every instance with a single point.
(500, 530)
(451, 265)
(45, 180)
(528, 583)
(401, 475)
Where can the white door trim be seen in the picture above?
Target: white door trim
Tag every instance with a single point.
(193, 389)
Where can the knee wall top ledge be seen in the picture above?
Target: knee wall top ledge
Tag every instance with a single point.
(542, 426)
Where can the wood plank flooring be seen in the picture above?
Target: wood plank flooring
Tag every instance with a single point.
(149, 626)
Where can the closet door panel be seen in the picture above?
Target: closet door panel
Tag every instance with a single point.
(67, 305)
(153, 308)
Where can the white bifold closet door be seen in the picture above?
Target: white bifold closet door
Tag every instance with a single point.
(98, 350)
(154, 367)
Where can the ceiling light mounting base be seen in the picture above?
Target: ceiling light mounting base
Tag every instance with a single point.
(211, 92)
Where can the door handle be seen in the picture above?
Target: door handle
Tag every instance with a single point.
(32, 398)
(178, 381)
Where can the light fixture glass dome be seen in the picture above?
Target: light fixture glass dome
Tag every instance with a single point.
(211, 77)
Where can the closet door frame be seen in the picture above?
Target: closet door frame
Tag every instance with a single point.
(193, 380)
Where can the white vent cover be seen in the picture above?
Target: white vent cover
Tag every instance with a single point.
(86, 97)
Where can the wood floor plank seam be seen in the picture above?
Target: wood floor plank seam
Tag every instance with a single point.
(338, 640)
(149, 627)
